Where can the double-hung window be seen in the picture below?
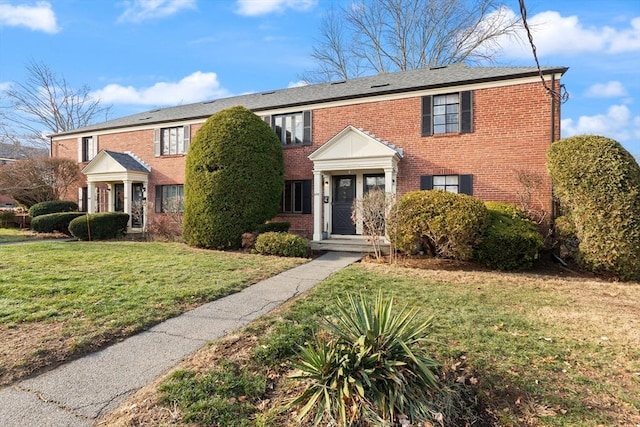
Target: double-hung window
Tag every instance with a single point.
(292, 129)
(170, 198)
(447, 113)
(296, 197)
(87, 148)
(452, 183)
(172, 140)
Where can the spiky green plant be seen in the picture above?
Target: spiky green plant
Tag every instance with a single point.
(373, 369)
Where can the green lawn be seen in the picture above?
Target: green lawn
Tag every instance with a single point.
(59, 299)
(534, 349)
(9, 235)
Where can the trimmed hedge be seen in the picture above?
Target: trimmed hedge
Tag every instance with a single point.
(282, 244)
(445, 224)
(234, 179)
(598, 184)
(52, 206)
(50, 223)
(275, 226)
(100, 226)
(511, 241)
(6, 218)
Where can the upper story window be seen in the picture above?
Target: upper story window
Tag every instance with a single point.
(87, 148)
(447, 113)
(172, 140)
(293, 129)
(451, 183)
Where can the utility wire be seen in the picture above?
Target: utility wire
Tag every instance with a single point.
(562, 95)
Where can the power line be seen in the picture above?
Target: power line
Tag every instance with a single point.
(562, 95)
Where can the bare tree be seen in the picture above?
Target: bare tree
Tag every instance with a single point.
(45, 103)
(374, 211)
(381, 36)
(31, 181)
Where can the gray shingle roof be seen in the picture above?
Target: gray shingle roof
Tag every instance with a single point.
(407, 81)
(127, 161)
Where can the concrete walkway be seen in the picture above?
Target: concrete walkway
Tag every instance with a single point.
(77, 393)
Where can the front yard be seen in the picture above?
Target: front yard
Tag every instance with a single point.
(59, 300)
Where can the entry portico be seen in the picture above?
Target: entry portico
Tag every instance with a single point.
(343, 169)
(126, 179)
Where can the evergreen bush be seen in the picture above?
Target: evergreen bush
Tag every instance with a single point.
(6, 218)
(511, 241)
(52, 206)
(99, 226)
(275, 226)
(445, 224)
(234, 179)
(598, 184)
(52, 222)
(282, 244)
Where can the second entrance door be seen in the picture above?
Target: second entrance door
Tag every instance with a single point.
(344, 192)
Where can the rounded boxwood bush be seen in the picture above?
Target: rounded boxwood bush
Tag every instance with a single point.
(50, 223)
(445, 224)
(598, 184)
(99, 226)
(511, 241)
(282, 244)
(234, 179)
(52, 206)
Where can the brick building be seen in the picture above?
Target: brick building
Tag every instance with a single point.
(474, 130)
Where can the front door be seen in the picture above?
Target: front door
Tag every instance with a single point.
(344, 192)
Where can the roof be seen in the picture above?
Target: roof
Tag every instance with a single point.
(127, 161)
(381, 84)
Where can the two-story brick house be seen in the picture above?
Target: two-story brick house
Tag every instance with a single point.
(465, 129)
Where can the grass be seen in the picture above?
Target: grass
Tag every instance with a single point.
(62, 299)
(12, 235)
(528, 350)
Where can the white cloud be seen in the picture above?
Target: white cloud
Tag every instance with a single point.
(196, 87)
(263, 7)
(610, 89)
(557, 34)
(141, 10)
(4, 86)
(617, 123)
(299, 83)
(38, 18)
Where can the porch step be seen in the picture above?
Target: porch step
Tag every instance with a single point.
(346, 245)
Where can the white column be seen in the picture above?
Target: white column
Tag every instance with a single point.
(389, 180)
(317, 205)
(127, 201)
(112, 198)
(91, 197)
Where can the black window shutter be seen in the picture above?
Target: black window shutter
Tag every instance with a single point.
(427, 129)
(466, 184)
(466, 112)
(158, 198)
(306, 133)
(307, 193)
(426, 182)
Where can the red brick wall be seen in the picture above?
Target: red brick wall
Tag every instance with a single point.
(511, 133)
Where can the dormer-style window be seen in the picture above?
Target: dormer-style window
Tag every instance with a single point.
(447, 113)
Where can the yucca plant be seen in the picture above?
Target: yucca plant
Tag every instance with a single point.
(374, 368)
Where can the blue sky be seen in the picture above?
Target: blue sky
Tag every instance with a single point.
(143, 54)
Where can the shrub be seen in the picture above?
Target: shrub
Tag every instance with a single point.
(511, 241)
(100, 226)
(6, 218)
(275, 226)
(52, 206)
(234, 179)
(445, 224)
(373, 369)
(598, 184)
(50, 223)
(282, 244)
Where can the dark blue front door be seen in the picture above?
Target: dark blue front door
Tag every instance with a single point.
(344, 192)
